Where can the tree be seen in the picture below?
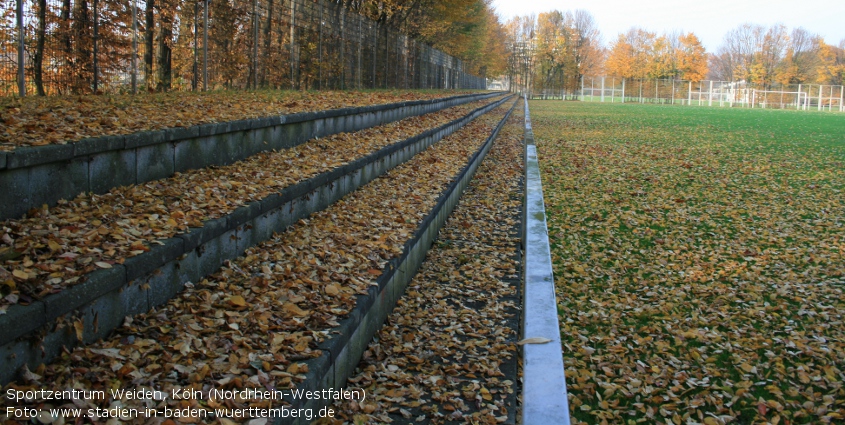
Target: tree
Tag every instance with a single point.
(692, 58)
(801, 60)
(521, 33)
(586, 45)
(754, 52)
(831, 68)
(551, 47)
(167, 15)
(661, 59)
(632, 54)
(770, 54)
(620, 58)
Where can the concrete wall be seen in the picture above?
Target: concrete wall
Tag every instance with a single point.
(33, 176)
(343, 351)
(544, 398)
(36, 333)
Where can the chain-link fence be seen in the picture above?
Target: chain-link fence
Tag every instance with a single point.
(705, 93)
(125, 46)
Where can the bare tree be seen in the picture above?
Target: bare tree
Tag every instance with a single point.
(802, 57)
(586, 44)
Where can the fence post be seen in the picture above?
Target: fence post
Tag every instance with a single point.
(602, 90)
(195, 69)
(21, 76)
(255, 44)
(821, 89)
(582, 88)
(642, 100)
(375, 58)
(96, 37)
(205, 47)
(689, 94)
(623, 90)
(134, 77)
(830, 99)
(359, 79)
(320, 51)
(407, 60)
(612, 89)
(721, 94)
(699, 93)
(673, 91)
(294, 58)
(710, 95)
(841, 97)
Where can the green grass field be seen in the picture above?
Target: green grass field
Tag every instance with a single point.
(699, 261)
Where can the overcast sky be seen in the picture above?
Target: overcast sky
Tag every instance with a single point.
(708, 19)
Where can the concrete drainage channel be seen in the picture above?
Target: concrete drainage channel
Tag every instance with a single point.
(36, 333)
(33, 176)
(544, 397)
(341, 353)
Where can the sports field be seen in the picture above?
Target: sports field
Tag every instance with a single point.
(699, 259)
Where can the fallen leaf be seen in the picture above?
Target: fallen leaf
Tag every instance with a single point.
(237, 301)
(79, 327)
(534, 340)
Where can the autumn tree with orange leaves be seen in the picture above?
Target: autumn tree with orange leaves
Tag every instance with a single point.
(642, 54)
(776, 56)
(563, 47)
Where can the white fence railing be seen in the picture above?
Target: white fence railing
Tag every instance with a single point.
(820, 97)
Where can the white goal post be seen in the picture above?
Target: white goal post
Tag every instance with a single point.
(799, 104)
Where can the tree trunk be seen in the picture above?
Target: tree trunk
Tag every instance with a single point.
(38, 59)
(64, 40)
(165, 48)
(149, 36)
(82, 48)
(268, 29)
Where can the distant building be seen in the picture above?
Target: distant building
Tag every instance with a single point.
(497, 84)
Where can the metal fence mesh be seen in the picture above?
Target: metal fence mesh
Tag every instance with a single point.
(84, 46)
(821, 97)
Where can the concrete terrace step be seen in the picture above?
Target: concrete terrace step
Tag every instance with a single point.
(242, 323)
(342, 351)
(36, 333)
(447, 352)
(33, 176)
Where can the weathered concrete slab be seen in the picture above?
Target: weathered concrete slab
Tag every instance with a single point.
(152, 278)
(32, 176)
(372, 309)
(544, 398)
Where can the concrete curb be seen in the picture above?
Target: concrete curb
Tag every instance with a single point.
(342, 353)
(38, 332)
(33, 176)
(544, 397)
